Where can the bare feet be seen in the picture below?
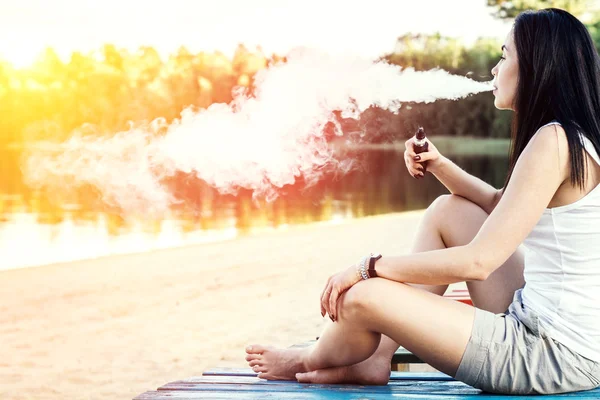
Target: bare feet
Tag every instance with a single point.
(277, 364)
(290, 364)
(373, 371)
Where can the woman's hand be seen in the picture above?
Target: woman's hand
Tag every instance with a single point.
(336, 285)
(432, 155)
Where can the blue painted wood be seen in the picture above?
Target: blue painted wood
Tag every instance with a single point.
(312, 392)
(416, 387)
(403, 387)
(256, 384)
(421, 376)
(217, 384)
(326, 395)
(330, 395)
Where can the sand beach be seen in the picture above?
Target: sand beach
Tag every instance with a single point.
(115, 327)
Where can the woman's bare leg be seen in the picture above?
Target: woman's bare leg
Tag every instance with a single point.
(449, 221)
(454, 221)
(368, 309)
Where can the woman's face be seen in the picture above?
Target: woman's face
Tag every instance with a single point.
(505, 75)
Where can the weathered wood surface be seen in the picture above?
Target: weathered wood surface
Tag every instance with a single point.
(243, 383)
(396, 376)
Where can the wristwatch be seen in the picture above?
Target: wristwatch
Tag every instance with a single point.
(374, 257)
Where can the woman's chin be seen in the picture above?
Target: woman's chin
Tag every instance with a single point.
(499, 104)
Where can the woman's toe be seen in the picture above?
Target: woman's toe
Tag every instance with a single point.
(264, 375)
(251, 357)
(255, 349)
(255, 362)
(259, 369)
(305, 377)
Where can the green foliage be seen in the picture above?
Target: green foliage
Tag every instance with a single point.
(594, 29)
(112, 86)
(472, 116)
(587, 11)
(507, 9)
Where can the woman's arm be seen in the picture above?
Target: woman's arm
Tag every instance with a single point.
(540, 170)
(466, 185)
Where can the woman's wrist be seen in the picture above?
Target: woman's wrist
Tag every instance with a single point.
(357, 273)
(437, 165)
(365, 268)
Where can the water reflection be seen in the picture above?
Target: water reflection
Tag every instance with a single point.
(36, 231)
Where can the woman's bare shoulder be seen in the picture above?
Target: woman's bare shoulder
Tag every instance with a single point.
(556, 139)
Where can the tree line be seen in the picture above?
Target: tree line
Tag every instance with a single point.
(105, 90)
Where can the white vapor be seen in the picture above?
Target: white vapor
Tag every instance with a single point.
(260, 142)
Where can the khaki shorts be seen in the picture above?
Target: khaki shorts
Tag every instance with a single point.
(508, 353)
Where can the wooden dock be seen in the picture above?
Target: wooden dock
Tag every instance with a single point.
(243, 383)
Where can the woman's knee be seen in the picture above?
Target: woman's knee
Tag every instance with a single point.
(354, 300)
(457, 219)
(448, 205)
(450, 202)
(359, 300)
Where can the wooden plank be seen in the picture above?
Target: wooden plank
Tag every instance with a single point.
(242, 384)
(440, 390)
(253, 380)
(261, 385)
(403, 356)
(461, 295)
(412, 385)
(419, 376)
(178, 395)
(307, 395)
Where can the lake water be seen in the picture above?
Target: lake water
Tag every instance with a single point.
(35, 230)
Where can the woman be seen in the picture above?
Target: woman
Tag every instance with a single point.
(542, 229)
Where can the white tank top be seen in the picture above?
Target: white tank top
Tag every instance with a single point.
(562, 271)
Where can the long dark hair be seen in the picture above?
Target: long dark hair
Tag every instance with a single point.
(559, 79)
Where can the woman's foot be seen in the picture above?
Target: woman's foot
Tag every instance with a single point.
(277, 364)
(373, 371)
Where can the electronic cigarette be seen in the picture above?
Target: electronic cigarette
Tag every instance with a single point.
(420, 145)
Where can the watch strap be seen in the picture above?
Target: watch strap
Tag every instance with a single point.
(372, 259)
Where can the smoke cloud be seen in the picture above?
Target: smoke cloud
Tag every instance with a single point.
(262, 141)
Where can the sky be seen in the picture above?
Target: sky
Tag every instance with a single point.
(367, 28)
